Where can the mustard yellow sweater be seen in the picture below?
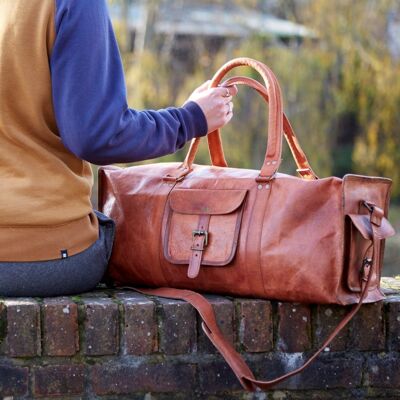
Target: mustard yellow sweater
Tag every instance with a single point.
(63, 101)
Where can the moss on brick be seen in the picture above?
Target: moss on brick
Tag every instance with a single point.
(77, 299)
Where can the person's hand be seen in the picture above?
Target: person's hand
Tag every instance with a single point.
(216, 104)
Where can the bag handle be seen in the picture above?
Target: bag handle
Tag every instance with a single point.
(273, 153)
(303, 166)
(380, 228)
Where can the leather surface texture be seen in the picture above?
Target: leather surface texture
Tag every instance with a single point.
(255, 233)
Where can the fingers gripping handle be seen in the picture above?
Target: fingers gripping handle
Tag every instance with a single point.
(275, 121)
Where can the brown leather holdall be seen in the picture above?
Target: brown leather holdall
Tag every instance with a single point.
(246, 232)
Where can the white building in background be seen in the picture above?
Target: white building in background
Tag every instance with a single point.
(185, 19)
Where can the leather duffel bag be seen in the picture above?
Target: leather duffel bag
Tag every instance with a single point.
(246, 232)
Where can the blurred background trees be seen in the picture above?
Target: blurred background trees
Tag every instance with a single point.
(338, 63)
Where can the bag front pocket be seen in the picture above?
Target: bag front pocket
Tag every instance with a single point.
(202, 227)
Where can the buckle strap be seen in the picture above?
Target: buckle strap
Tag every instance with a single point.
(200, 241)
(200, 233)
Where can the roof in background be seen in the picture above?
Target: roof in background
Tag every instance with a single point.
(213, 20)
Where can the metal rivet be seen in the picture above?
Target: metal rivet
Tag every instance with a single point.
(268, 162)
(259, 187)
(273, 162)
(267, 186)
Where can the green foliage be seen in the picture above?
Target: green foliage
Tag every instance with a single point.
(362, 79)
(148, 82)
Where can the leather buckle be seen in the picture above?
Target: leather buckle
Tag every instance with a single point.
(366, 269)
(264, 179)
(376, 213)
(369, 206)
(201, 233)
(305, 172)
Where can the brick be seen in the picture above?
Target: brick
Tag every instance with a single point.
(328, 371)
(331, 371)
(335, 394)
(139, 336)
(294, 329)
(113, 378)
(367, 328)
(224, 311)
(269, 366)
(255, 325)
(217, 376)
(60, 324)
(13, 380)
(393, 324)
(375, 394)
(177, 324)
(23, 328)
(383, 371)
(59, 380)
(101, 330)
(327, 319)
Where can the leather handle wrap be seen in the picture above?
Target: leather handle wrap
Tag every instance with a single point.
(233, 358)
(275, 121)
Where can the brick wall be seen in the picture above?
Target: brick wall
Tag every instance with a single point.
(122, 345)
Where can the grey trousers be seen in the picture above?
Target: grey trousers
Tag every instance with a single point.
(72, 275)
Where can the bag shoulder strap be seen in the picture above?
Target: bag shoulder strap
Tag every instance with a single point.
(228, 352)
(379, 231)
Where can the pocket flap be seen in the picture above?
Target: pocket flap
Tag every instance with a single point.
(363, 224)
(206, 201)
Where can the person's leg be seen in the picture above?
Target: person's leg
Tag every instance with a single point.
(75, 274)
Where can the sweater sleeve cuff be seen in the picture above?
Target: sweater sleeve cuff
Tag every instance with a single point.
(199, 121)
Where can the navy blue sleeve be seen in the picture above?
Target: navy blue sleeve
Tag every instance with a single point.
(89, 94)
